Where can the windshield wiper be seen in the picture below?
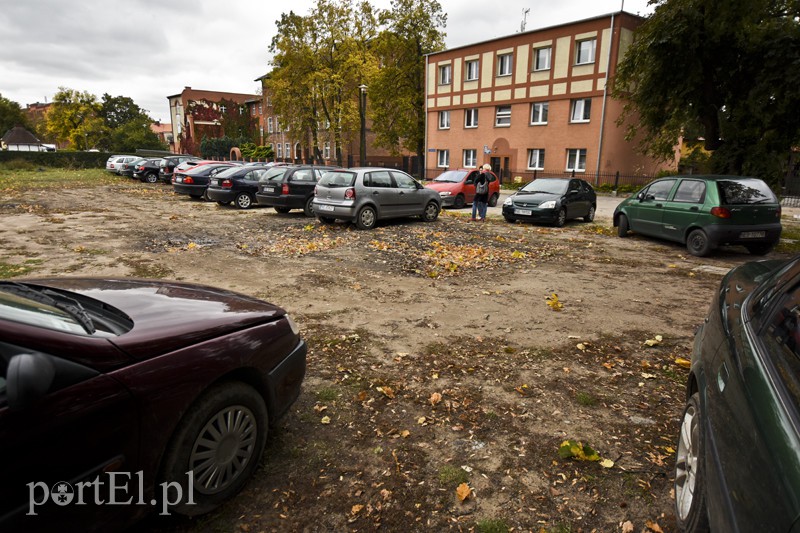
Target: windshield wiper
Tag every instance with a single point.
(54, 299)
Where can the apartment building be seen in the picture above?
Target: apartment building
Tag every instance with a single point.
(533, 102)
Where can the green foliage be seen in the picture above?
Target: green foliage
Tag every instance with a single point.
(452, 476)
(11, 115)
(74, 117)
(219, 147)
(21, 181)
(60, 159)
(492, 525)
(725, 70)
(252, 151)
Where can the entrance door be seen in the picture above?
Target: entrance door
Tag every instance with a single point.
(503, 171)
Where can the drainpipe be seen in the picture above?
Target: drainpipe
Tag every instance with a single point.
(424, 162)
(605, 97)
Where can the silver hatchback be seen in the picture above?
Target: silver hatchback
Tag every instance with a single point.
(366, 195)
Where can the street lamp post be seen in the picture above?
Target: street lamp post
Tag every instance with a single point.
(362, 107)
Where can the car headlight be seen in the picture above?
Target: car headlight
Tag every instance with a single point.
(508, 201)
(548, 205)
(445, 193)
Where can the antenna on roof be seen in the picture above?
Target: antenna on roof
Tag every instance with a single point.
(525, 12)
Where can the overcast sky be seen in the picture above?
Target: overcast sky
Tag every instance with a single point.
(150, 49)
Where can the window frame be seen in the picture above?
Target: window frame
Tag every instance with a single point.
(544, 110)
(467, 115)
(501, 115)
(582, 105)
(444, 120)
(448, 78)
(470, 162)
(574, 163)
(536, 52)
(468, 67)
(505, 64)
(592, 51)
(443, 158)
(540, 154)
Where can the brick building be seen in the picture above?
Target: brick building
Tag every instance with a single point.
(533, 102)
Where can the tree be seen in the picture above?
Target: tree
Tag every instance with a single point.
(413, 28)
(74, 117)
(11, 115)
(726, 68)
(118, 110)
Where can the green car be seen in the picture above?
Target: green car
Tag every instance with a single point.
(704, 212)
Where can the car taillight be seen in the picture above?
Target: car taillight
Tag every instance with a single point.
(188, 180)
(721, 212)
(285, 188)
(227, 184)
(350, 194)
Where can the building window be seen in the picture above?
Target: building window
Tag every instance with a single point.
(504, 64)
(541, 58)
(581, 110)
(443, 158)
(470, 158)
(536, 159)
(472, 70)
(576, 159)
(260, 108)
(471, 118)
(288, 148)
(445, 75)
(503, 116)
(269, 101)
(270, 128)
(279, 153)
(444, 120)
(326, 151)
(277, 126)
(222, 109)
(584, 51)
(539, 112)
(298, 154)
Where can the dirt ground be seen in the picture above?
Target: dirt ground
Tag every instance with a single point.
(447, 361)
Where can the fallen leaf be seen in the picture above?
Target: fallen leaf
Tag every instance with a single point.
(606, 463)
(325, 420)
(554, 303)
(356, 509)
(581, 346)
(627, 527)
(685, 363)
(387, 391)
(435, 398)
(653, 526)
(463, 492)
(405, 433)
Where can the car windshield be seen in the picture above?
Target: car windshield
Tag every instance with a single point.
(338, 178)
(745, 191)
(43, 308)
(274, 174)
(228, 172)
(551, 186)
(451, 176)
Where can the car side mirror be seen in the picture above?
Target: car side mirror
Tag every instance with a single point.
(28, 379)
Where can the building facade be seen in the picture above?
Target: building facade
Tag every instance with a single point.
(533, 102)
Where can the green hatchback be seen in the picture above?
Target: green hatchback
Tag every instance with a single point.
(704, 212)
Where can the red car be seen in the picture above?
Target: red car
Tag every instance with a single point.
(457, 187)
(122, 397)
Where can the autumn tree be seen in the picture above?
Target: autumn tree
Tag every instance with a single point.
(413, 28)
(74, 117)
(728, 69)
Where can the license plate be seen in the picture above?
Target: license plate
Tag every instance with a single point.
(524, 212)
(752, 234)
(269, 189)
(324, 207)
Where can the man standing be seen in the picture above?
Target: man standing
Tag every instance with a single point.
(479, 203)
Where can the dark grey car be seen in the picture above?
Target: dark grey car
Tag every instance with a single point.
(366, 195)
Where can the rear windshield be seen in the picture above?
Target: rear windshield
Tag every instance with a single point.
(274, 174)
(338, 178)
(745, 191)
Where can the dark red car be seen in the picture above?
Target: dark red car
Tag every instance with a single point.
(121, 397)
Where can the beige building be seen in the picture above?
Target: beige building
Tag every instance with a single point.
(533, 102)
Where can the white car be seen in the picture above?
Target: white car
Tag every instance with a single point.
(115, 162)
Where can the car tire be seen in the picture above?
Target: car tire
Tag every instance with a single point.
(459, 202)
(622, 226)
(282, 210)
(367, 217)
(308, 208)
(243, 200)
(690, 491)
(326, 220)
(431, 212)
(697, 243)
(493, 200)
(150, 177)
(561, 218)
(759, 249)
(590, 215)
(205, 442)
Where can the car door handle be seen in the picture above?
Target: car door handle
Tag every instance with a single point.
(659, 205)
(694, 208)
(375, 192)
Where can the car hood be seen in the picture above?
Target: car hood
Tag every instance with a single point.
(169, 315)
(533, 198)
(445, 186)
